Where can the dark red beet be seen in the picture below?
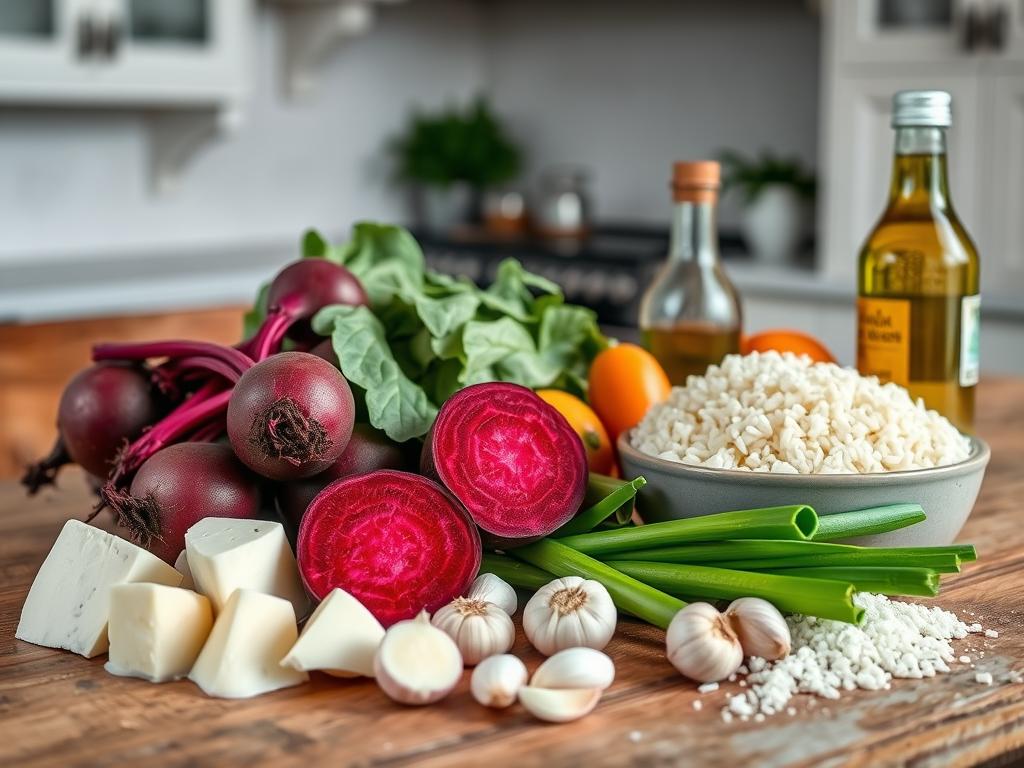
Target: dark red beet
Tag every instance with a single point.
(180, 485)
(290, 416)
(306, 286)
(510, 458)
(396, 541)
(101, 409)
(367, 451)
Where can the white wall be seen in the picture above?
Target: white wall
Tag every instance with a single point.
(75, 184)
(627, 87)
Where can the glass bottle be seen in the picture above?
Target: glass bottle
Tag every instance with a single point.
(918, 301)
(690, 314)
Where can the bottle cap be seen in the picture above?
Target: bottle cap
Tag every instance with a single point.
(696, 181)
(922, 108)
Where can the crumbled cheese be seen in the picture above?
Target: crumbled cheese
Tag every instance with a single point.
(991, 633)
(698, 705)
(896, 640)
(707, 688)
(983, 678)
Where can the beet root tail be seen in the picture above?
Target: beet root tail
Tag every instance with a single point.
(139, 515)
(284, 431)
(44, 471)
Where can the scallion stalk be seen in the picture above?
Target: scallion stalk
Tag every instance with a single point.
(630, 595)
(863, 522)
(605, 497)
(790, 594)
(923, 582)
(943, 562)
(797, 522)
(515, 572)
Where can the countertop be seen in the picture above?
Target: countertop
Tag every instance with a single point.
(60, 709)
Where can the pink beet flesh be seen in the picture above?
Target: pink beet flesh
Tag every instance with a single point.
(396, 541)
(510, 458)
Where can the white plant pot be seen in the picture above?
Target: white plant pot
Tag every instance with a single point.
(774, 223)
(441, 209)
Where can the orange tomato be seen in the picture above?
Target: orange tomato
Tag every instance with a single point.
(785, 340)
(600, 456)
(625, 381)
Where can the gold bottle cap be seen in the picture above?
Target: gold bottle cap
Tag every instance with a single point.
(696, 181)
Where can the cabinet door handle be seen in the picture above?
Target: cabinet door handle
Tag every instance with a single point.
(109, 37)
(86, 36)
(974, 29)
(995, 28)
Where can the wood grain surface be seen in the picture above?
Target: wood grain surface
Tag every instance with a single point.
(60, 709)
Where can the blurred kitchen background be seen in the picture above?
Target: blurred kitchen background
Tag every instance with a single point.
(159, 158)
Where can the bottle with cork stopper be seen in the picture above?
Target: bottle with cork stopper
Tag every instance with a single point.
(690, 315)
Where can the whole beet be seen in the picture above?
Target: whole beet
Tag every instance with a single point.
(304, 287)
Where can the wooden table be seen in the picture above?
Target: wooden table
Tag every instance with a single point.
(60, 709)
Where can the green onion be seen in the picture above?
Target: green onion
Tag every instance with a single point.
(606, 496)
(944, 562)
(639, 599)
(515, 572)
(887, 581)
(790, 594)
(798, 522)
(863, 522)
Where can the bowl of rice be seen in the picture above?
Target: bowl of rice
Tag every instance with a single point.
(770, 429)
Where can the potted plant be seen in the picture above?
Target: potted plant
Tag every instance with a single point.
(450, 158)
(777, 192)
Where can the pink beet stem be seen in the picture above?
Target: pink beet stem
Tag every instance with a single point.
(234, 358)
(268, 339)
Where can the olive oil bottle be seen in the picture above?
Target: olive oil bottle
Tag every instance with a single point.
(690, 315)
(918, 305)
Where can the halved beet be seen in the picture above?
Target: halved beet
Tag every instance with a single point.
(398, 542)
(510, 458)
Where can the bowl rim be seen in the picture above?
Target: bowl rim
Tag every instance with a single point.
(977, 460)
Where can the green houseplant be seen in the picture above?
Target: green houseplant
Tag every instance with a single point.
(777, 192)
(450, 157)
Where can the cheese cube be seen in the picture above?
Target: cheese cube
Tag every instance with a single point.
(341, 638)
(242, 655)
(156, 632)
(181, 566)
(226, 554)
(69, 602)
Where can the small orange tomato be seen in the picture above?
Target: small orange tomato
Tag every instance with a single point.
(785, 340)
(625, 381)
(600, 457)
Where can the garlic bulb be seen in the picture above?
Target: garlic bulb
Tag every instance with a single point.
(558, 705)
(761, 629)
(575, 668)
(497, 679)
(479, 629)
(568, 613)
(416, 662)
(701, 644)
(492, 589)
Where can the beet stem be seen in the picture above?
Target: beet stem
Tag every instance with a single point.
(230, 356)
(44, 471)
(284, 431)
(268, 339)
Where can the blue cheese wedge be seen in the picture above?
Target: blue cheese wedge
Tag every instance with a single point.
(242, 656)
(69, 603)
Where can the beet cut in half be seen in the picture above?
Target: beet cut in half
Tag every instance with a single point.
(510, 458)
(396, 541)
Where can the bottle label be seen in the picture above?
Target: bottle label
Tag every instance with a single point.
(883, 339)
(970, 339)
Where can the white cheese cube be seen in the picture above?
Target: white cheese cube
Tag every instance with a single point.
(340, 638)
(69, 602)
(181, 566)
(156, 632)
(226, 554)
(242, 656)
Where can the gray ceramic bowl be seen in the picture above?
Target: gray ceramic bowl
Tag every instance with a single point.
(946, 494)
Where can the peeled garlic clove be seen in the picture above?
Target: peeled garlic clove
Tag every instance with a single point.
(569, 613)
(492, 589)
(701, 644)
(575, 668)
(559, 705)
(480, 629)
(497, 680)
(416, 662)
(761, 629)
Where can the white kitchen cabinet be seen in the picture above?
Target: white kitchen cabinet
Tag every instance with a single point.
(865, 61)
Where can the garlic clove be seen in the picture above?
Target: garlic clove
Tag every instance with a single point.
(479, 629)
(559, 705)
(492, 589)
(497, 680)
(762, 630)
(416, 662)
(702, 645)
(575, 668)
(570, 612)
